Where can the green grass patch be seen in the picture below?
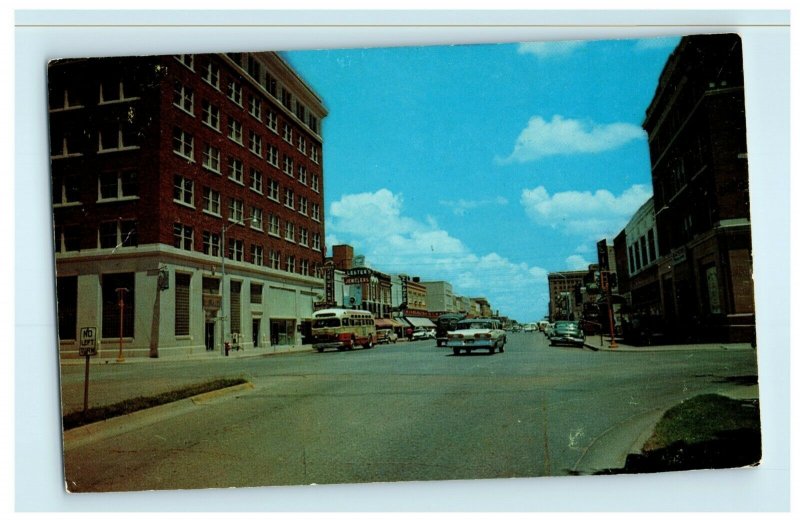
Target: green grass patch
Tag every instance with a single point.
(80, 418)
(702, 418)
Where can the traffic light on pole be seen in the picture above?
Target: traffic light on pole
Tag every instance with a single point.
(604, 281)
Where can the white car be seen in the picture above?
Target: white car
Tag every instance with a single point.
(477, 334)
(422, 333)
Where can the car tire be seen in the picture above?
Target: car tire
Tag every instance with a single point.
(492, 350)
(456, 351)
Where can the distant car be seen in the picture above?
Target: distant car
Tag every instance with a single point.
(476, 334)
(422, 333)
(568, 333)
(548, 329)
(386, 336)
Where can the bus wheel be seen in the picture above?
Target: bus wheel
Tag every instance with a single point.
(319, 350)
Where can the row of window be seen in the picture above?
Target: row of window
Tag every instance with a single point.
(642, 252)
(183, 145)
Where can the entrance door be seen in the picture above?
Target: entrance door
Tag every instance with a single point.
(210, 337)
(256, 332)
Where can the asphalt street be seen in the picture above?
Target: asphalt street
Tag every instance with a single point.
(409, 411)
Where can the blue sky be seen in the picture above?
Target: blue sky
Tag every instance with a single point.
(485, 165)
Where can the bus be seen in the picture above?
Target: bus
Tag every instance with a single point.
(342, 329)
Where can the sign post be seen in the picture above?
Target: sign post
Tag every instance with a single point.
(87, 348)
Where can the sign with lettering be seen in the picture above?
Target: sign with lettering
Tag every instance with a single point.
(88, 341)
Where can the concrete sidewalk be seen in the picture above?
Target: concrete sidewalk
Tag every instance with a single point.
(598, 343)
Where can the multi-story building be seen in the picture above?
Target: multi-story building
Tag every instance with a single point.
(698, 151)
(642, 255)
(562, 293)
(440, 297)
(187, 201)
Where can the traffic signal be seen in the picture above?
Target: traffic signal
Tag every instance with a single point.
(604, 281)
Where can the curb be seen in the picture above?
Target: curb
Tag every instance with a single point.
(97, 431)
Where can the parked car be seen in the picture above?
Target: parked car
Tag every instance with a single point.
(548, 329)
(422, 333)
(386, 336)
(568, 333)
(475, 334)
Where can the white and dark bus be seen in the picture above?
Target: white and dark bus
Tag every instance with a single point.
(342, 329)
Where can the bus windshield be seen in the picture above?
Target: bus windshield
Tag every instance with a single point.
(327, 322)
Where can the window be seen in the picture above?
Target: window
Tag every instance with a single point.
(183, 143)
(186, 59)
(287, 132)
(315, 182)
(182, 236)
(257, 255)
(66, 190)
(182, 285)
(253, 67)
(288, 165)
(272, 121)
(114, 136)
(211, 244)
(183, 98)
(235, 130)
(274, 225)
(290, 263)
(651, 243)
(256, 181)
(67, 238)
(236, 307)
(273, 190)
(302, 205)
(256, 218)
(236, 210)
(62, 99)
(301, 144)
(303, 240)
(211, 74)
(254, 144)
(116, 286)
(254, 106)
(312, 123)
(302, 174)
(288, 198)
(65, 145)
(304, 267)
(275, 259)
(183, 190)
(300, 111)
(117, 185)
(270, 85)
(315, 211)
(272, 155)
(115, 90)
(211, 159)
(236, 170)
(289, 232)
(211, 201)
(317, 243)
(314, 154)
(67, 299)
(286, 98)
(117, 233)
(211, 115)
(643, 247)
(236, 249)
(256, 292)
(235, 93)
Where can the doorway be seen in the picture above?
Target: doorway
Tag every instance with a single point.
(210, 337)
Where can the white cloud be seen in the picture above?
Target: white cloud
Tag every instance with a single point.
(544, 50)
(588, 215)
(567, 136)
(577, 262)
(461, 206)
(394, 243)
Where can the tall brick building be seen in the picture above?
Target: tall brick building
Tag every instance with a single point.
(698, 152)
(160, 166)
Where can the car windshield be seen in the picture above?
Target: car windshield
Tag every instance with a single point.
(474, 325)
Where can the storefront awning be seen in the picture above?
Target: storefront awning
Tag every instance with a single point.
(422, 322)
(387, 323)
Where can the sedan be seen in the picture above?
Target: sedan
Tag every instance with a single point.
(568, 333)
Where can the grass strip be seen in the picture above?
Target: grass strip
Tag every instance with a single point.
(80, 418)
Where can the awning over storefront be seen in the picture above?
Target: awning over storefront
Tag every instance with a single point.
(387, 323)
(422, 322)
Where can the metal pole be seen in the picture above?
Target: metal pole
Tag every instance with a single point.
(86, 386)
(613, 343)
(121, 293)
(222, 305)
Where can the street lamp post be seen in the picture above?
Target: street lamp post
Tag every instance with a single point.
(121, 294)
